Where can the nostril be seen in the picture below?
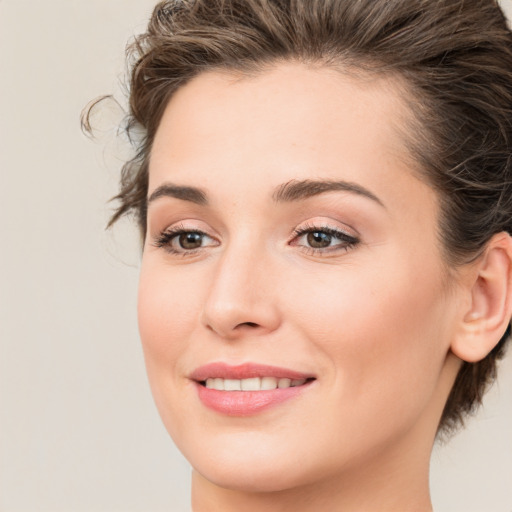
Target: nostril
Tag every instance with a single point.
(250, 324)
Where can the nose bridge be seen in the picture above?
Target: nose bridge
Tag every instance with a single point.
(241, 292)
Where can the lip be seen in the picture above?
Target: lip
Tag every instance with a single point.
(245, 371)
(246, 403)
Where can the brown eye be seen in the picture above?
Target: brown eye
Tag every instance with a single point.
(181, 241)
(323, 240)
(319, 239)
(190, 240)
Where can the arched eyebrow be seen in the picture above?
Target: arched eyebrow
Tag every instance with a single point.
(192, 194)
(293, 190)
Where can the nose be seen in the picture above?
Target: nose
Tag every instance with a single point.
(241, 299)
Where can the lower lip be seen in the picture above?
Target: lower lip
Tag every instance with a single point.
(246, 403)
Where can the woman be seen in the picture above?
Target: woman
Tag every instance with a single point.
(324, 196)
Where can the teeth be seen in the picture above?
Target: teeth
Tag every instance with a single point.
(253, 384)
(268, 383)
(232, 385)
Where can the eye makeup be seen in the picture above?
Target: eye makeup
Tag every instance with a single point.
(322, 240)
(314, 239)
(182, 241)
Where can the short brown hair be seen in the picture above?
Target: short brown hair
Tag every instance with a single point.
(454, 55)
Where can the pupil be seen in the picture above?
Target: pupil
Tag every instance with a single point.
(318, 239)
(190, 240)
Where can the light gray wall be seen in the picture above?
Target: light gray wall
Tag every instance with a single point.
(78, 429)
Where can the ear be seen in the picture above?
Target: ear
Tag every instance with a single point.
(488, 311)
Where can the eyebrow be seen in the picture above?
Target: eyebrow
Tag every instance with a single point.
(192, 194)
(293, 190)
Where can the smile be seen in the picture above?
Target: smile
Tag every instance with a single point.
(247, 389)
(252, 384)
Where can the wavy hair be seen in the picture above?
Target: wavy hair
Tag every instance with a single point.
(455, 57)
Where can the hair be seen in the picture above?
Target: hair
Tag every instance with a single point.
(454, 56)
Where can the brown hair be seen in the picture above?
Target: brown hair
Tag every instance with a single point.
(454, 55)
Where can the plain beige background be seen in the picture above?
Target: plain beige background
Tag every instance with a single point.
(78, 429)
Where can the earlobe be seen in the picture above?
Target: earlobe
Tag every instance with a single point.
(490, 306)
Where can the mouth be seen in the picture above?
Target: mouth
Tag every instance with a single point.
(252, 384)
(247, 389)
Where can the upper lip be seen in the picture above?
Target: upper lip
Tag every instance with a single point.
(245, 371)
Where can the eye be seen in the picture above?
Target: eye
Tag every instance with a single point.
(323, 239)
(180, 240)
(319, 239)
(190, 240)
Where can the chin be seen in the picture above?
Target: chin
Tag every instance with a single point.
(249, 463)
(251, 477)
(248, 481)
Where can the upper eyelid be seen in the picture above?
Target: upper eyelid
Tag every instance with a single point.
(299, 229)
(180, 230)
(191, 226)
(183, 226)
(323, 225)
(320, 227)
(344, 237)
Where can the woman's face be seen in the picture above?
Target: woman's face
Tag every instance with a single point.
(289, 239)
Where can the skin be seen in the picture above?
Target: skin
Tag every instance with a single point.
(373, 321)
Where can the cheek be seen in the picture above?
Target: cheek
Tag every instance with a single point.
(383, 331)
(167, 315)
(168, 312)
(168, 305)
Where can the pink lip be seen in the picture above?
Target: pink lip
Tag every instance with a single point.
(245, 403)
(244, 371)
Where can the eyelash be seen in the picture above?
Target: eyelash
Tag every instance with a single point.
(164, 239)
(348, 241)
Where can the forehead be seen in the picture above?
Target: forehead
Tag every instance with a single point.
(240, 139)
(295, 118)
